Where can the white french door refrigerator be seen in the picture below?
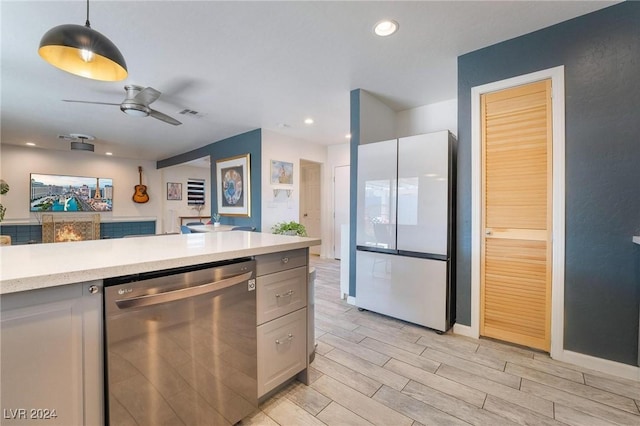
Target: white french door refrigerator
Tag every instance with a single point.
(406, 191)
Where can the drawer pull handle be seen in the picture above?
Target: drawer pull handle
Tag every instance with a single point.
(285, 260)
(289, 338)
(289, 293)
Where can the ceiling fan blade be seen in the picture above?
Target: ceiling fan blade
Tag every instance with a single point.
(164, 117)
(89, 102)
(147, 96)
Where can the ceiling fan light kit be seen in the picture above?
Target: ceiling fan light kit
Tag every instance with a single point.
(82, 146)
(83, 51)
(137, 100)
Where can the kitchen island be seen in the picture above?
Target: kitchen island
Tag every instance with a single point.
(52, 313)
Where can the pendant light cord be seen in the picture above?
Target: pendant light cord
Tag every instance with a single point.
(87, 24)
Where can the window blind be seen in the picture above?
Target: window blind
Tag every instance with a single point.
(195, 192)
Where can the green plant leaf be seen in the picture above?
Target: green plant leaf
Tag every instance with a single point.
(289, 227)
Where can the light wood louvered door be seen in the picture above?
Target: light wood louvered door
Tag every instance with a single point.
(515, 295)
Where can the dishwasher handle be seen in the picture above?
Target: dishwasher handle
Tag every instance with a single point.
(183, 293)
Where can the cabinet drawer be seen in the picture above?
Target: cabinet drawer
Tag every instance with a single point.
(280, 293)
(282, 350)
(281, 261)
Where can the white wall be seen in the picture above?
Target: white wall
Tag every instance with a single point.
(281, 208)
(337, 155)
(17, 163)
(428, 118)
(378, 121)
(173, 209)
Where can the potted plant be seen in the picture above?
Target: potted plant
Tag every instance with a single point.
(216, 219)
(289, 228)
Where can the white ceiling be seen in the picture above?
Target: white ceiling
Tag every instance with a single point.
(246, 65)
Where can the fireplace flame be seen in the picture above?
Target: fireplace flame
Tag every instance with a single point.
(68, 233)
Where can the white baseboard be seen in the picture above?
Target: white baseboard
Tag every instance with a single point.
(351, 300)
(463, 330)
(614, 368)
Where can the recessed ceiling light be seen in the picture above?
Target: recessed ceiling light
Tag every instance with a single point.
(386, 28)
(30, 144)
(108, 153)
(308, 121)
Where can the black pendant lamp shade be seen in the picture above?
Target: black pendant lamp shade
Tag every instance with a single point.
(83, 51)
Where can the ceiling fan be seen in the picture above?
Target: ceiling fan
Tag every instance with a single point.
(137, 103)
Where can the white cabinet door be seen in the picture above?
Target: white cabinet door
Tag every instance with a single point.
(423, 193)
(377, 175)
(406, 288)
(51, 348)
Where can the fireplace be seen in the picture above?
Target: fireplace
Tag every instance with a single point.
(57, 228)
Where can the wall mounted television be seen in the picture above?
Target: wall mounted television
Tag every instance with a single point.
(58, 193)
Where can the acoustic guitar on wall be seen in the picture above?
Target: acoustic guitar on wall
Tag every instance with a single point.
(140, 195)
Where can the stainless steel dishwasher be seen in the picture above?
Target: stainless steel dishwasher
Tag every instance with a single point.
(181, 345)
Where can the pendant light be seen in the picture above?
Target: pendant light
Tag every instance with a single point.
(83, 51)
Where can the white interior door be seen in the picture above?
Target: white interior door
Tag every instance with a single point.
(341, 186)
(310, 186)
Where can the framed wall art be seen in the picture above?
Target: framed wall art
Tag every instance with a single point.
(233, 186)
(56, 193)
(174, 191)
(281, 173)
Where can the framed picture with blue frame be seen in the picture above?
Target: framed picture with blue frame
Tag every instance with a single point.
(234, 186)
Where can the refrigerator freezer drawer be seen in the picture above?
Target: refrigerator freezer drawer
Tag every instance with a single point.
(410, 289)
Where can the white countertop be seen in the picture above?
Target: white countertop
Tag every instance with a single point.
(636, 239)
(33, 266)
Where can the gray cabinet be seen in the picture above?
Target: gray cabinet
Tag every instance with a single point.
(281, 287)
(51, 355)
(282, 350)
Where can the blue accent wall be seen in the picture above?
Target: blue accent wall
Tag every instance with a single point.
(26, 234)
(245, 143)
(353, 200)
(601, 55)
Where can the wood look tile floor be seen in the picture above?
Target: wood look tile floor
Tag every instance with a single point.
(370, 369)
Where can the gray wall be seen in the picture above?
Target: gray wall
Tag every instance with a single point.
(601, 55)
(249, 142)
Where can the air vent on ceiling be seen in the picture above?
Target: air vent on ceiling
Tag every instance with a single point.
(191, 113)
